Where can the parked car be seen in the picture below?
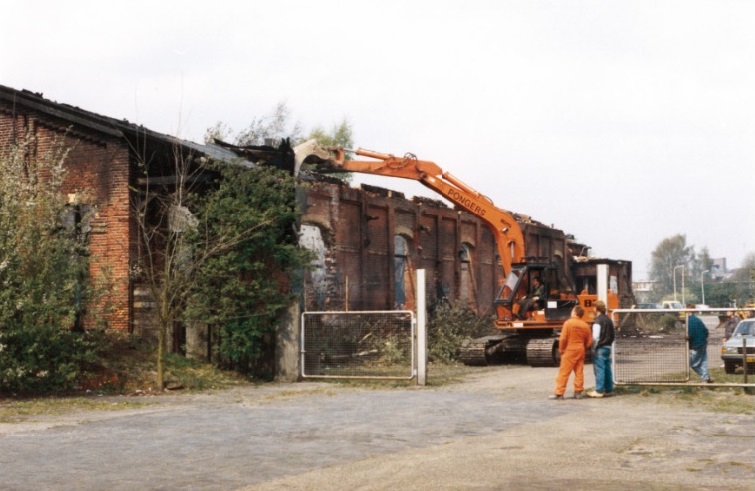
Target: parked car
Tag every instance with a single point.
(672, 304)
(731, 351)
(653, 306)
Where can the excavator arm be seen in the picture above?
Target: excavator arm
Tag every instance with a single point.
(514, 317)
(505, 229)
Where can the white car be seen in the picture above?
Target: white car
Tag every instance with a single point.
(740, 348)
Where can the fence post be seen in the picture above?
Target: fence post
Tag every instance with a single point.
(744, 357)
(421, 329)
(603, 283)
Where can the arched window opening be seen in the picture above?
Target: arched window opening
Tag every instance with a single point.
(315, 291)
(403, 284)
(468, 286)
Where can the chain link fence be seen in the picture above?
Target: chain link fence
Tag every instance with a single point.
(651, 346)
(374, 344)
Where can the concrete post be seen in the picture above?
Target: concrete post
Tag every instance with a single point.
(287, 345)
(421, 329)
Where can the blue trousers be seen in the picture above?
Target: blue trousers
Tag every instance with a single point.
(698, 361)
(601, 363)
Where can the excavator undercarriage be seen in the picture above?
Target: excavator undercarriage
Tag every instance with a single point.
(511, 346)
(543, 278)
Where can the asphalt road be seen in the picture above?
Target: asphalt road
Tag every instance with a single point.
(496, 430)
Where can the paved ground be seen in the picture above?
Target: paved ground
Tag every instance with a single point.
(496, 430)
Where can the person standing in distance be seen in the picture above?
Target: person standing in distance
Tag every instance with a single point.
(603, 334)
(697, 334)
(575, 339)
(730, 324)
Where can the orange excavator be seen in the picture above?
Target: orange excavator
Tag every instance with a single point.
(526, 327)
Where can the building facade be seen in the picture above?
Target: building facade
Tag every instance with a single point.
(368, 242)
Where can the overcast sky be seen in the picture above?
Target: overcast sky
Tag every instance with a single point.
(620, 122)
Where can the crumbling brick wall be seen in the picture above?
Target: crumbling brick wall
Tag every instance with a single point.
(98, 175)
(358, 259)
(358, 229)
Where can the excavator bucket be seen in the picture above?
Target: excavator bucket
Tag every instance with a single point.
(311, 152)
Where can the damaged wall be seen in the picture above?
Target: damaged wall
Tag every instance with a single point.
(369, 242)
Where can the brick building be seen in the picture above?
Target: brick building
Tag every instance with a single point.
(368, 241)
(104, 175)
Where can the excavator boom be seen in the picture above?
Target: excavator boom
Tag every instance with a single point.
(503, 225)
(527, 329)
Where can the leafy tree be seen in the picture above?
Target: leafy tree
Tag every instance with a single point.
(44, 280)
(668, 254)
(720, 294)
(746, 272)
(340, 135)
(700, 262)
(242, 291)
(171, 251)
(219, 131)
(274, 126)
(218, 252)
(744, 279)
(277, 126)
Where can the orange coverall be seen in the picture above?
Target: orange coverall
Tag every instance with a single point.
(576, 338)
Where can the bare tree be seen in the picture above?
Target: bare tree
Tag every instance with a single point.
(274, 126)
(171, 249)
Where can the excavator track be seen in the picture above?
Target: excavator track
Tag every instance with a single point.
(489, 349)
(474, 351)
(543, 352)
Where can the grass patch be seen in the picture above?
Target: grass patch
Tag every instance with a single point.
(128, 366)
(291, 394)
(16, 411)
(732, 400)
(438, 375)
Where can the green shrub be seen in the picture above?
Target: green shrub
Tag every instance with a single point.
(44, 281)
(242, 290)
(44, 358)
(448, 327)
(669, 322)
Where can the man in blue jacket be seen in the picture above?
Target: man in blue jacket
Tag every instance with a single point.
(697, 334)
(603, 334)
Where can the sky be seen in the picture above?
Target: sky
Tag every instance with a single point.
(619, 122)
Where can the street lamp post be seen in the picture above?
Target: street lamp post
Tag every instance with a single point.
(674, 273)
(702, 283)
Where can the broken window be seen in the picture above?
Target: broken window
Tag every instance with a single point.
(403, 284)
(76, 220)
(310, 237)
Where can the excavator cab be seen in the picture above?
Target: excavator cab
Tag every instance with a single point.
(512, 304)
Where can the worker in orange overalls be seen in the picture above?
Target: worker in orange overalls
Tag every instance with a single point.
(576, 338)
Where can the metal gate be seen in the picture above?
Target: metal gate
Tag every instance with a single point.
(366, 344)
(650, 348)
